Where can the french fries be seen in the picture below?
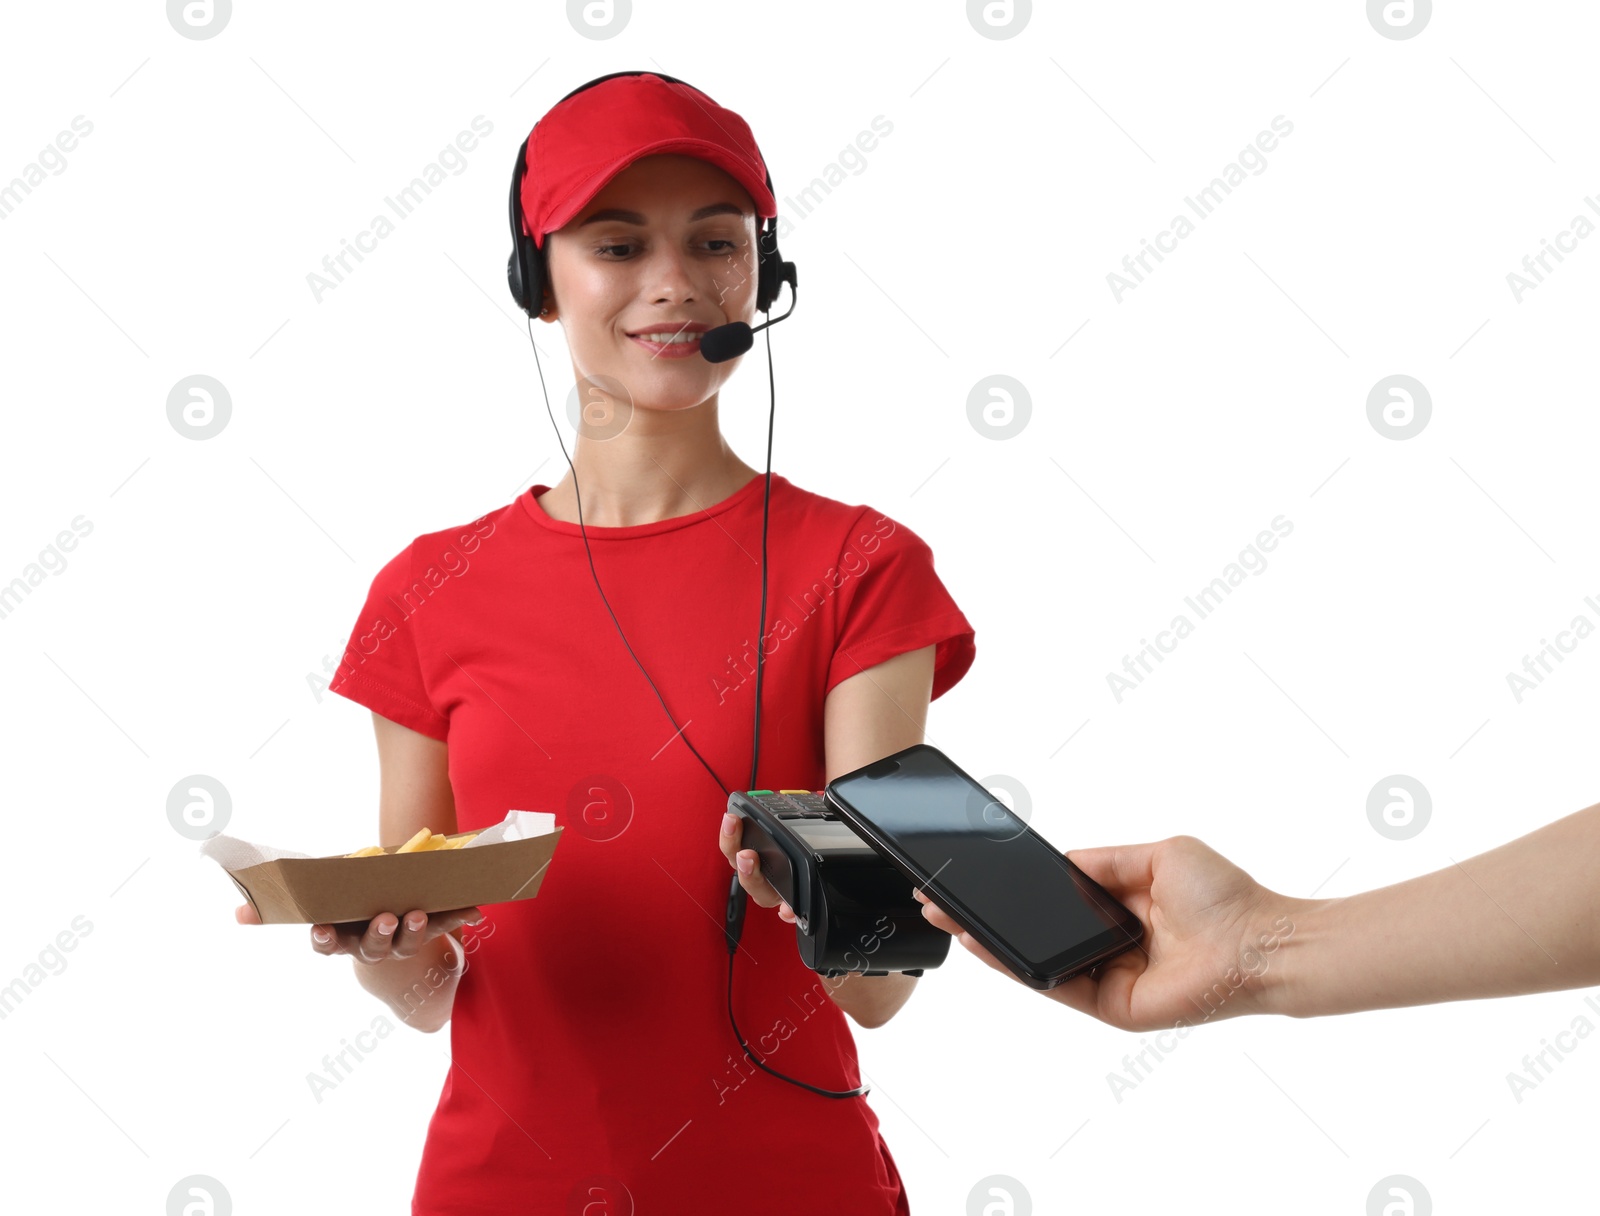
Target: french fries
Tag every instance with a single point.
(424, 841)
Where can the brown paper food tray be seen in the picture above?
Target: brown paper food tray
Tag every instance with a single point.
(330, 890)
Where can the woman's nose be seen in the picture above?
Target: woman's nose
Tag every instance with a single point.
(670, 275)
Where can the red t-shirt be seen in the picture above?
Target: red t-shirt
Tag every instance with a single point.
(593, 1063)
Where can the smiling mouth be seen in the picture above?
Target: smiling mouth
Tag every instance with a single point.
(668, 337)
(669, 344)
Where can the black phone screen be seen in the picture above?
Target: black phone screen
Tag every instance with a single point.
(972, 845)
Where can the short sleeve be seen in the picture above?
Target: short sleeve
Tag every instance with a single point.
(891, 601)
(381, 667)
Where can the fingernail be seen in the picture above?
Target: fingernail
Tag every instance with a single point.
(322, 935)
(744, 864)
(416, 922)
(728, 821)
(385, 928)
(476, 920)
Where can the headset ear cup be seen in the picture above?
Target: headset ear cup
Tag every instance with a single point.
(537, 286)
(525, 275)
(769, 261)
(514, 281)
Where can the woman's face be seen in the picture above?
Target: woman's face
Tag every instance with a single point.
(666, 249)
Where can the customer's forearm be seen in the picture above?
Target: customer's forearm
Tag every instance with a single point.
(421, 989)
(1524, 917)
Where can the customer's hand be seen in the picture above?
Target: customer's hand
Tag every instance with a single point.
(748, 865)
(1210, 932)
(385, 936)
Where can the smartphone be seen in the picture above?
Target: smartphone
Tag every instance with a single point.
(1001, 881)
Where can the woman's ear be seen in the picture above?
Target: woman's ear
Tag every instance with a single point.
(546, 282)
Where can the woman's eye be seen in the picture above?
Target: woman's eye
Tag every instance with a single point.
(617, 252)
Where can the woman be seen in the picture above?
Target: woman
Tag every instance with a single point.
(594, 1068)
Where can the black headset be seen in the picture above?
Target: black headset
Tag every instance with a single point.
(527, 274)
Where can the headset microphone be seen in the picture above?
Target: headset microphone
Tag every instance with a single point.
(734, 339)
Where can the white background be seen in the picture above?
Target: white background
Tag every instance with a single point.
(1227, 389)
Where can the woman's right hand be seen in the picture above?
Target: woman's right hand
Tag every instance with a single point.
(385, 936)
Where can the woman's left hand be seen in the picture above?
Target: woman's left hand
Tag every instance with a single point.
(748, 866)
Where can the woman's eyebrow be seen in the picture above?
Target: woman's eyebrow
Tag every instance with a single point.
(633, 217)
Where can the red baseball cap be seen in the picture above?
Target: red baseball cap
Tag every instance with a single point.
(588, 138)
